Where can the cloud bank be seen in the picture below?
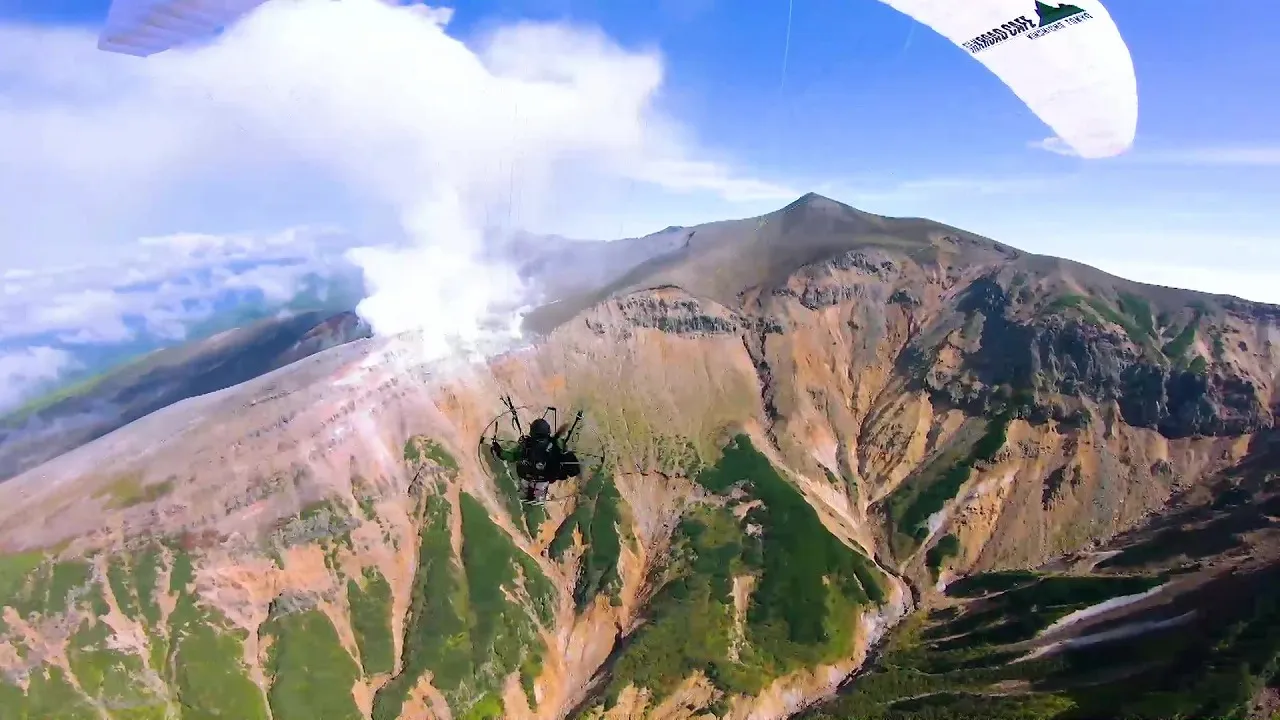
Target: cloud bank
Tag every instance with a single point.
(157, 292)
(310, 104)
(29, 367)
(162, 286)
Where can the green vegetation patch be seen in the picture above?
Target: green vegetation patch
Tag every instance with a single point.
(206, 658)
(122, 586)
(1139, 310)
(16, 571)
(371, 621)
(412, 451)
(420, 448)
(911, 681)
(39, 404)
(910, 506)
(366, 496)
(49, 696)
(495, 568)
(968, 705)
(199, 655)
(116, 680)
(1132, 328)
(183, 572)
(597, 517)
(311, 674)
(692, 617)
(953, 664)
(1198, 365)
(807, 592)
(1219, 346)
(212, 681)
(462, 627)
(489, 707)
(32, 584)
(128, 490)
(146, 574)
(1176, 349)
(947, 547)
(436, 633)
(798, 556)
(1211, 666)
(1062, 303)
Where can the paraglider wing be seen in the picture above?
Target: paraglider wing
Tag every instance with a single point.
(1066, 61)
(146, 27)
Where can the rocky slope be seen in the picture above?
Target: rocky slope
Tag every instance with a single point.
(807, 419)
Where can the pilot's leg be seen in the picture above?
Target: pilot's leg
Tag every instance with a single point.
(526, 483)
(541, 492)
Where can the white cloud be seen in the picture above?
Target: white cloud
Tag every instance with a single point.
(87, 316)
(21, 370)
(278, 284)
(163, 284)
(375, 99)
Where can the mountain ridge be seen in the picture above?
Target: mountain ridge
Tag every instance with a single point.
(730, 235)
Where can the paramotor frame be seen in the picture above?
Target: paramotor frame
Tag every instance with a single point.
(569, 432)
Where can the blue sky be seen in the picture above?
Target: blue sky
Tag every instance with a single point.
(871, 99)
(876, 110)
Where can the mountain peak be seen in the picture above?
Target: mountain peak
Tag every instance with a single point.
(813, 199)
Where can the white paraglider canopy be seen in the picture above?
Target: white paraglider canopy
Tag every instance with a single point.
(1066, 61)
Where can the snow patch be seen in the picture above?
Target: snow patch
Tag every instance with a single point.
(1124, 631)
(825, 455)
(935, 523)
(1102, 607)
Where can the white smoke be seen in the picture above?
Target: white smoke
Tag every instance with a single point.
(527, 122)
(449, 136)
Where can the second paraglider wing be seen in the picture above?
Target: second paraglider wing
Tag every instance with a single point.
(146, 27)
(1066, 61)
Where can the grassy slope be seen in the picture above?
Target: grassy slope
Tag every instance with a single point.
(809, 588)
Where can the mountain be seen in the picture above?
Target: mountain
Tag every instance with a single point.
(856, 466)
(90, 409)
(1053, 13)
(196, 302)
